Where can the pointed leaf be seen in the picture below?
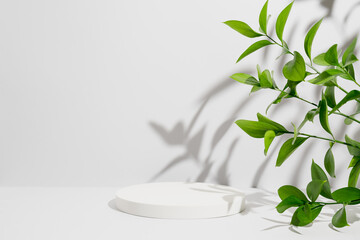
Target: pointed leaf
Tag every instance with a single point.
(350, 70)
(329, 163)
(324, 116)
(281, 21)
(320, 60)
(255, 89)
(268, 138)
(354, 174)
(353, 162)
(306, 214)
(256, 129)
(346, 195)
(339, 219)
(331, 56)
(263, 18)
(326, 78)
(276, 125)
(310, 38)
(288, 148)
(266, 80)
(318, 174)
(313, 189)
(253, 48)
(288, 190)
(243, 28)
(330, 96)
(349, 50)
(246, 79)
(290, 201)
(353, 94)
(354, 149)
(350, 60)
(295, 69)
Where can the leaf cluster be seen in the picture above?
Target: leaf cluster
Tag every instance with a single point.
(336, 67)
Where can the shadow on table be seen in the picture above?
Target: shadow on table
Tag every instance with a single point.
(353, 215)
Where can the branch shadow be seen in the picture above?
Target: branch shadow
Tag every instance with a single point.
(182, 136)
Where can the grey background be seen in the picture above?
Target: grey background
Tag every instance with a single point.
(113, 93)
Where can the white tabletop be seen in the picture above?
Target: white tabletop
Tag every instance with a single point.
(90, 213)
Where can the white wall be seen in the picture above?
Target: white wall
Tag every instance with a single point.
(100, 93)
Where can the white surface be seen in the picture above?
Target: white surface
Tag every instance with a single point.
(114, 92)
(90, 213)
(180, 200)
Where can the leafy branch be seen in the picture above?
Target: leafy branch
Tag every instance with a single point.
(296, 72)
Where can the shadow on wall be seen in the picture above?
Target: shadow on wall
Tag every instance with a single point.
(192, 141)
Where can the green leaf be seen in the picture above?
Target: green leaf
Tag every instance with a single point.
(354, 174)
(313, 189)
(331, 56)
(351, 71)
(329, 163)
(306, 214)
(353, 94)
(266, 80)
(281, 21)
(355, 148)
(350, 60)
(324, 116)
(255, 89)
(288, 148)
(310, 38)
(353, 162)
(263, 18)
(288, 190)
(268, 138)
(346, 194)
(246, 79)
(320, 60)
(330, 96)
(326, 78)
(349, 50)
(253, 48)
(296, 132)
(295, 69)
(243, 28)
(276, 125)
(339, 219)
(318, 174)
(290, 201)
(256, 129)
(311, 114)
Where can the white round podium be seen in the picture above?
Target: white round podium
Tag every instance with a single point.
(180, 200)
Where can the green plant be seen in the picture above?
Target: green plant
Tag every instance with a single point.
(297, 71)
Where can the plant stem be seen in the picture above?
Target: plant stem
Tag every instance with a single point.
(323, 138)
(334, 203)
(346, 116)
(314, 104)
(346, 92)
(287, 50)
